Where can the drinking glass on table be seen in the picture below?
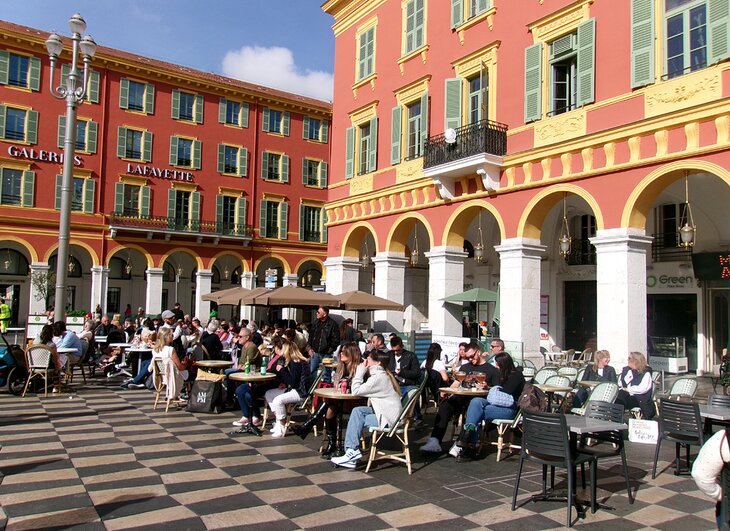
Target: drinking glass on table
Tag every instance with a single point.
(460, 377)
(481, 379)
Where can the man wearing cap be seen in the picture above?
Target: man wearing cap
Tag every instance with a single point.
(171, 322)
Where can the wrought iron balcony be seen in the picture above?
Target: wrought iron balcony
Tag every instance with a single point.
(311, 236)
(664, 248)
(474, 148)
(581, 253)
(169, 226)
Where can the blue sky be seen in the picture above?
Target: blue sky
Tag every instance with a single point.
(287, 44)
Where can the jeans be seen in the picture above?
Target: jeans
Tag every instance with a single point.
(143, 372)
(360, 418)
(228, 384)
(246, 402)
(481, 410)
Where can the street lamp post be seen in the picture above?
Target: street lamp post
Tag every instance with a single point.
(73, 92)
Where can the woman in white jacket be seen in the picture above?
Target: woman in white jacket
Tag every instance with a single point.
(384, 409)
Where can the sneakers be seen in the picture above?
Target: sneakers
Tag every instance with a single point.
(125, 385)
(242, 422)
(349, 460)
(432, 446)
(136, 386)
(278, 430)
(256, 421)
(456, 451)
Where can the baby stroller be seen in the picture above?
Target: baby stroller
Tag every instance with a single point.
(13, 371)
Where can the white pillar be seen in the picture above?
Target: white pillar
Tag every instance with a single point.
(203, 281)
(248, 281)
(289, 280)
(519, 299)
(343, 274)
(153, 298)
(99, 282)
(445, 277)
(390, 277)
(621, 291)
(39, 278)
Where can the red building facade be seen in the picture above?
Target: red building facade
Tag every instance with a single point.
(185, 182)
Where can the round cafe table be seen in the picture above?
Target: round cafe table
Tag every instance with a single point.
(588, 384)
(330, 393)
(463, 391)
(252, 377)
(214, 365)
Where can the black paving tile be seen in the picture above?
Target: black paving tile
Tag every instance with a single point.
(248, 469)
(360, 524)
(50, 504)
(129, 507)
(297, 508)
(244, 500)
(683, 523)
(143, 481)
(454, 523)
(46, 465)
(536, 521)
(189, 465)
(192, 486)
(385, 504)
(283, 483)
(111, 468)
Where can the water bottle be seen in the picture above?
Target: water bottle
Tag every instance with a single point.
(247, 367)
(264, 363)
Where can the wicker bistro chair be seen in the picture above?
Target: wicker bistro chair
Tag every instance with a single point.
(559, 381)
(399, 430)
(609, 443)
(570, 372)
(545, 440)
(682, 388)
(529, 373)
(543, 374)
(158, 371)
(39, 360)
(503, 425)
(603, 392)
(680, 423)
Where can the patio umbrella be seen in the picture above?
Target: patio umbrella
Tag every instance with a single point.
(361, 300)
(474, 295)
(291, 296)
(218, 295)
(236, 297)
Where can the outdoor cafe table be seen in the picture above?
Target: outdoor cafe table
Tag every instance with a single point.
(463, 391)
(588, 384)
(550, 390)
(710, 413)
(252, 377)
(331, 393)
(214, 365)
(140, 351)
(123, 362)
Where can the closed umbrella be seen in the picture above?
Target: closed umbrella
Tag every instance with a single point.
(361, 300)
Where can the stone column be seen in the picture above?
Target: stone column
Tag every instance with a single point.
(248, 281)
(390, 275)
(203, 281)
(446, 277)
(343, 274)
(289, 280)
(37, 303)
(621, 291)
(99, 283)
(519, 305)
(153, 302)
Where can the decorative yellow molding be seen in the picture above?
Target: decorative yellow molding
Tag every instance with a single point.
(14, 164)
(560, 22)
(232, 192)
(560, 128)
(185, 187)
(412, 91)
(634, 148)
(422, 51)
(566, 160)
(692, 135)
(471, 64)
(722, 128)
(662, 141)
(587, 156)
(683, 92)
(364, 81)
(363, 114)
(610, 151)
(361, 184)
(346, 18)
(488, 15)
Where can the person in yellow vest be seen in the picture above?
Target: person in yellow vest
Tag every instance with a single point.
(4, 316)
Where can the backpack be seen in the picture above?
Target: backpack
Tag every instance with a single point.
(532, 399)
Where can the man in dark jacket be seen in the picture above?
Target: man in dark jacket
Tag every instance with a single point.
(210, 340)
(404, 366)
(324, 338)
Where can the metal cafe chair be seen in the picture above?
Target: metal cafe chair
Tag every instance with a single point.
(680, 423)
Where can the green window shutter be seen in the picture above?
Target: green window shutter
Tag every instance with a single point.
(147, 146)
(65, 69)
(222, 110)
(118, 198)
(424, 120)
(718, 18)
(242, 162)
(350, 153)
(324, 131)
(173, 150)
(373, 151)
(144, 201)
(241, 213)
(89, 187)
(284, 169)
(124, 93)
(34, 74)
(264, 164)
(283, 220)
(221, 158)
(149, 99)
(31, 127)
(457, 12)
(94, 81)
(61, 130)
(92, 132)
(4, 66)
(196, 154)
(2, 121)
(195, 210)
(452, 105)
(533, 82)
(265, 120)
(263, 205)
(199, 102)
(176, 104)
(642, 42)
(171, 195)
(323, 174)
(285, 126)
(410, 25)
(395, 134)
(121, 142)
(301, 223)
(304, 171)
(218, 211)
(586, 62)
(483, 5)
(57, 205)
(28, 188)
(305, 128)
(324, 225)
(244, 115)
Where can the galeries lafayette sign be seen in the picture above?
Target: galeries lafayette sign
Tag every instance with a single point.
(40, 155)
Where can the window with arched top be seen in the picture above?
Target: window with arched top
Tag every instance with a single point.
(13, 263)
(73, 267)
(119, 269)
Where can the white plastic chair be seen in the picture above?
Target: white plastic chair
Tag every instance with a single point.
(543, 374)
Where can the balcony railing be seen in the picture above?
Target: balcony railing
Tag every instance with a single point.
(311, 236)
(484, 136)
(581, 253)
(664, 248)
(166, 224)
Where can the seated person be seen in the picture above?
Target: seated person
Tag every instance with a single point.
(210, 340)
(636, 386)
(600, 372)
(457, 404)
(247, 394)
(437, 375)
(291, 371)
(67, 339)
(45, 337)
(384, 409)
(376, 342)
(461, 357)
(176, 370)
(244, 350)
(511, 383)
(148, 339)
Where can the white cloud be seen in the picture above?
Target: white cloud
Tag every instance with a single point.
(274, 67)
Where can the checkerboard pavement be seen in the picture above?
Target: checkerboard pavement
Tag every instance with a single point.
(103, 459)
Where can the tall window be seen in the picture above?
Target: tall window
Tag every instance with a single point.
(366, 54)
(314, 129)
(364, 149)
(478, 87)
(77, 195)
(272, 218)
(414, 131)
(136, 96)
(18, 68)
(273, 167)
(12, 180)
(415, 19)
(184, 152)
(310, 172)
(131, 200)
(182, 208)
(361, 148)
(563, 74)
(228, 214)
(477, 6)
(134, 144)
(310, 222)
(233, 112)
(187, 103)
(686, 30)
(275, 121)
(230, 159)
(15, 124)
(81, 129)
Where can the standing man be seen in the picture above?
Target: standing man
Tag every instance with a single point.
(5, 315)
(324, 338)
(177, 310)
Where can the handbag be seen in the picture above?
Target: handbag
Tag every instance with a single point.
(206, 396)
(497, 397)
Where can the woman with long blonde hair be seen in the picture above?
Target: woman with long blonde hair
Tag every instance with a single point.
(291, 376)
(636, 386)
